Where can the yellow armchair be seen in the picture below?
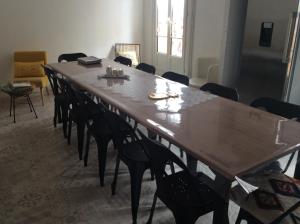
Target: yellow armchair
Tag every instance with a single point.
(27, 68)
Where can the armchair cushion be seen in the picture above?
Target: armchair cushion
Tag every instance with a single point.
(29, 69)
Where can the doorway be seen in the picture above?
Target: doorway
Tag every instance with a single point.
(267, 46)
(170, 35)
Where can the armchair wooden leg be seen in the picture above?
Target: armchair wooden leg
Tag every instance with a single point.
(47, 91)
(42, 95)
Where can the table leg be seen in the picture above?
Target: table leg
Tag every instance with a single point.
(224, 186)
(297, 168)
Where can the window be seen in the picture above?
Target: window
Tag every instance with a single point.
(170, 27)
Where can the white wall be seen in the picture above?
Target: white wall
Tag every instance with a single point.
(235, 14)
(276, 11)
(57, 26)
(208, 31)
(295, 86)
(294, 93)
(148, 29)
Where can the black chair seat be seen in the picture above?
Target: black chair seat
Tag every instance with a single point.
(187, 195)
(84, 112)
(62, 99)
(133, 151)
(180, 191)
(99, 129)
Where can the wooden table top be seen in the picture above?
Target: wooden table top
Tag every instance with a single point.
(230, 137)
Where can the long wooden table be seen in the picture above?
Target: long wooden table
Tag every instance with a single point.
(231, 138)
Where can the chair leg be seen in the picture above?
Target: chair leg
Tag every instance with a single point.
(42, 95)
(239, 219)
(69, 130)
(152, 209)
(136, 176)
(59, 114)
(30, 102)
(152, 174)
(172, 167)
(80, 137)
(14, 108)
(114, 183)
(55, 114)
(65, 120)
(11, 104)
(47, 91)
(183, 219)
(102, 145)
(87, 147)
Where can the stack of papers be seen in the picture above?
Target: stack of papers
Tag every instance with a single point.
(20, 85)
(91, 60)
(248, 188)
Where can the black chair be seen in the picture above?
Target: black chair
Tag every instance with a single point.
(181, 192)
(124, 61)
(183, 79)
(280, 108)
(70, 57)
(283, 109)
(221, 91)
(146, 68)
(130, 151)
(61, 99)
(81, 110)
(98, 128)
(287, 110)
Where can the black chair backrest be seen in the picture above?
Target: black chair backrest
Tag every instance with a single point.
(146, 68)
(221, 91)
(124, 61)
(70, 57)
(76, 97)
(183, 79)
(52, 79)
(283, 109)
(118, 125)
(160, 158)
